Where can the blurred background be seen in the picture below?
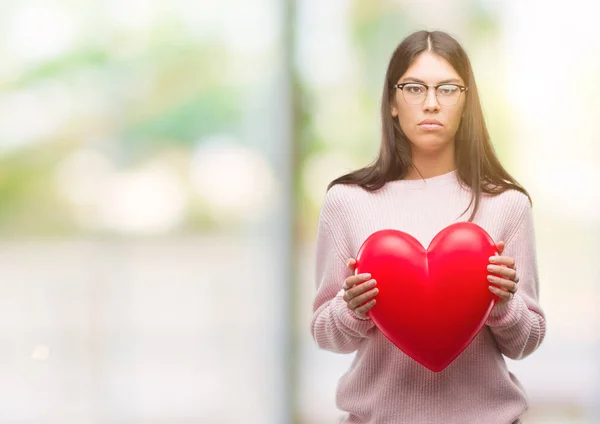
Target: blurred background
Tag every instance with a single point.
(162, 167)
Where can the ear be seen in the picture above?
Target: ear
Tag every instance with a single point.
(394, 110)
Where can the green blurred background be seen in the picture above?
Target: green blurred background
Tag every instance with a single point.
(163, 165)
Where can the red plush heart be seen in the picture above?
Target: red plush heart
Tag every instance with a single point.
(431, 303)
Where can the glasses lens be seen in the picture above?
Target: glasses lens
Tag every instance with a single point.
(414, 94)
(448, 95)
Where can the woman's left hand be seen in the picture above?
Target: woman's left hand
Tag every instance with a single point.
(503, 274)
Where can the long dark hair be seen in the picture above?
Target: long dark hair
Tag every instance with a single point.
(477, 164)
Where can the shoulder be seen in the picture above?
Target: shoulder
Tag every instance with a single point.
(340, 193)
(339, 199)
(514, 208)
(513, 201)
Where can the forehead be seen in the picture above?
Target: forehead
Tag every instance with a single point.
(431, 68)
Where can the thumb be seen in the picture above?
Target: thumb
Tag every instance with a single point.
(500, 247)
(351, 263)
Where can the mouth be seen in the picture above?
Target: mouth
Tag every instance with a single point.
(430, 124)
(431, 127)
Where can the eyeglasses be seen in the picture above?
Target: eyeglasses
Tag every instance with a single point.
(415, 93)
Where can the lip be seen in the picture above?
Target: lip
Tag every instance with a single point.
(430, 122)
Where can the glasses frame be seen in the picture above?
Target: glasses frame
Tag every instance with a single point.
(461, 87)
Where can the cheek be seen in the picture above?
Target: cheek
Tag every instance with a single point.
(407, 116)
(457, 114)
(454, 119)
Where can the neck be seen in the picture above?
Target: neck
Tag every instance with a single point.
(428, 166)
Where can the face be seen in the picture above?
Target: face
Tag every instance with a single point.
(429, 69)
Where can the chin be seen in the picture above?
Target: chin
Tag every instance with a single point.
(431, 144)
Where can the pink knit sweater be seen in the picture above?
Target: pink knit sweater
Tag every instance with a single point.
(385, 386)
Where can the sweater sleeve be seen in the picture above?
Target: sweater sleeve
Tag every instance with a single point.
(333, 325)
(519, 325)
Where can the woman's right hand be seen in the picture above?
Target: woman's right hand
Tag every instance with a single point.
(359, 289)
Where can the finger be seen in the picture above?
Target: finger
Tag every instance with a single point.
(503, 283)
(502, 271)
(355, 279)
(361, 311)
(502, 294)
(360, 289)
(358, 300)
(503, 260)
(357, 289)
(351, 263)
(500, 247)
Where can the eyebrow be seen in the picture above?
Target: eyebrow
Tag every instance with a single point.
(447, 81)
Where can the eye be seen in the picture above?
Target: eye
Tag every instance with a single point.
(447, 90)
(414, 88)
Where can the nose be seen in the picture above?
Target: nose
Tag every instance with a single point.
(431, 103)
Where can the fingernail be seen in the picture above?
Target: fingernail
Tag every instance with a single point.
(490, 267)
(490, 278)
(493, 258)
(493, 289)
(365, 276)
(372, 283)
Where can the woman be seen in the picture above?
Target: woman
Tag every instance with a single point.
(436, 166)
